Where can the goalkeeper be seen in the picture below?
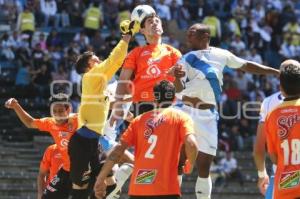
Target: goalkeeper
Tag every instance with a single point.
(83, 146)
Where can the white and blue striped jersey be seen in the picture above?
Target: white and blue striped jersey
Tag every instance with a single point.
(204, 72)
(269, 104)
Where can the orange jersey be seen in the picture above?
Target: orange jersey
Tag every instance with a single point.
(282, 130)
(157, 137)
(150, 64)
(60, 133)
(52, 161)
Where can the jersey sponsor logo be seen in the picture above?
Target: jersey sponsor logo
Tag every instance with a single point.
(285, 123)
(151, 124)
(64, 143)
(145, 176)
(153, 71)
(289, 110)
(289, 180)
(57, 156)
(146, 52)
(63, 134)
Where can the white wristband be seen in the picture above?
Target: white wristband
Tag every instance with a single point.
(262, 174)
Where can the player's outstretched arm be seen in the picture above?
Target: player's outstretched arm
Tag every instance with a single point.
(191, 150)
(26, 119)
(259, 69)
(113, 158)
(116, 58)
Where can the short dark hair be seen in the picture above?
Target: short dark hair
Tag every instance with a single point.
(59, 97)
(82, 62)
(290, 78)
(164, 92)
(148, 16)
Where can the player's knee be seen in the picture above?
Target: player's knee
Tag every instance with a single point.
(204, 162)
(203, 170)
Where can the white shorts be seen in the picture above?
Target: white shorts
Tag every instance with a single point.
(206, 128)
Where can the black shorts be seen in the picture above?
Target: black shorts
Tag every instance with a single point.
(84, 158)
(156, 197)
(59, 187)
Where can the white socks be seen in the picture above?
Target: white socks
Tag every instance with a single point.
(179, 180)
(121, 175)
(203, 188)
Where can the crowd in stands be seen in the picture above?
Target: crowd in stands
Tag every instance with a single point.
(263, 31)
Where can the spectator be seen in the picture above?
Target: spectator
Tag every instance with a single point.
(242, 80)
(239, 11)
(110, 14)
(56, 56)
(180, 14)
(247, 131)
(97, 41)
(124, 12)
(37, 56)
(41, 41)
(75, 9)
(26, 23)
(215, 27)
(15, 40)
(60, 74)
(234, 27)
(172, 41)
(9, 12)
(258, 13)
(23, 78)
(228, 165)
(82, 40)
(41, 81)
(163, 11)
(237, 44)
(112, 39)
(62, 14)
(53, 39)
(49, 10)
(225, 42)
(92, 20)
(287, 49)
(7, 51)
(292, 30)
(254, 56)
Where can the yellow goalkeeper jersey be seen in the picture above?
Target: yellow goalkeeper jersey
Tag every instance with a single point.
(94, 103)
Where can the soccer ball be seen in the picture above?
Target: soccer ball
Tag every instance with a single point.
(140, 12)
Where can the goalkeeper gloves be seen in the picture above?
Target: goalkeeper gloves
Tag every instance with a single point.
(129, 27)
